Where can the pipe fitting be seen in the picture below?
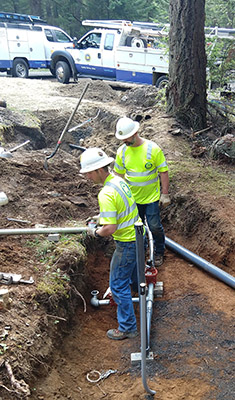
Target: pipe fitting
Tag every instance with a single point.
(94, 299)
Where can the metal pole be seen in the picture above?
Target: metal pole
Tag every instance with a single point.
(36, 231)
(200, 262)
(143, 337)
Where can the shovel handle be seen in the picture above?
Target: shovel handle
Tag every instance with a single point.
(67, 124)
(73, 113)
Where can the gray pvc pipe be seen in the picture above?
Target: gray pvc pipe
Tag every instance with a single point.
(150, 296)
(139, 230)
(151, 243)
(36, 231)
(200, 262)
(143, 337)
(96, 302)
(149, 311)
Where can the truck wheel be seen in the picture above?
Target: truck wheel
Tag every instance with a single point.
(62, 72)
(162, 82)
(20, 68)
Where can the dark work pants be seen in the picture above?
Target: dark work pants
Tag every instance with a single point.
(152, 213)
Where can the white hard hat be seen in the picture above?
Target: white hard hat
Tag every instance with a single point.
(93, 159)
(126, 128)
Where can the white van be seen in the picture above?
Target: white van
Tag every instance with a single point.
(28, 42)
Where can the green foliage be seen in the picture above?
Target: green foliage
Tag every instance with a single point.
(161, 101)
(68, 251)
(220, 60)
(69, 14)
(220, 13)
(54, 282)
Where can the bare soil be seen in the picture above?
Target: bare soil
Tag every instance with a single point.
(51, 341)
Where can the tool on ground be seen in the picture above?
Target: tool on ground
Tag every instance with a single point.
(83, 123)
(22, 221)
(96, 376)
(19, 146)
(4, 153)
(7, 153)
(66, 127)
(75, 146)
(8, 279)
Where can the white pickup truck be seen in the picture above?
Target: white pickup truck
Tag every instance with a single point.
(27, 42)
(115, 50)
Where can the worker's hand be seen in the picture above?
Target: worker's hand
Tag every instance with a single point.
(164, 200)
(95, 219)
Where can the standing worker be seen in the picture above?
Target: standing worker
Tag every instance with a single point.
(118, 213)
(140, 161)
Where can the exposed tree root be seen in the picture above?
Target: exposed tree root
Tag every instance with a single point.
(22, 389)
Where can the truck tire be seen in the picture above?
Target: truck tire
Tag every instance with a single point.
(20, 68)
(162, 82)
(62, 72)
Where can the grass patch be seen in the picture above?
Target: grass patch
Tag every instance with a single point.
(57, 258)
(193, 175)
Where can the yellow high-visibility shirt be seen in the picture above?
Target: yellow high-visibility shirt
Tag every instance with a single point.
(117, 206)
(140, 166)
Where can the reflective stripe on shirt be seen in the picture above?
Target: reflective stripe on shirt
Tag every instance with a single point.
(113, 214)
(145, 183)
(144, 173)
(129, 209)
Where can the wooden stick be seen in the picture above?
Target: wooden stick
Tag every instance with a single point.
(201, 131)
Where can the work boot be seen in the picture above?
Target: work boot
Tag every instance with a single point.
(158, 260)
(118, 335)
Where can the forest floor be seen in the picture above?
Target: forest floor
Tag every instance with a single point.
(50, 335)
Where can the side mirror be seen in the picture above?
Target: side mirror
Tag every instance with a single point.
(75, 43)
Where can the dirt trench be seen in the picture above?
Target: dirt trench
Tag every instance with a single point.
(52, 342)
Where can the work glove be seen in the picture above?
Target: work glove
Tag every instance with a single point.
(91, 232)
(164, 200)
(95, 219)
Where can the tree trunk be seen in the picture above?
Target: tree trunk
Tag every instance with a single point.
(186, 93)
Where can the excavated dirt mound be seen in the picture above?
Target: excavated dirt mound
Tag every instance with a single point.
(50, 334)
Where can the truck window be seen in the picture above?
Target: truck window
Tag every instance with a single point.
(91, 40)
(55, 35)
(61, 37)
(109, 39)
(49, 35)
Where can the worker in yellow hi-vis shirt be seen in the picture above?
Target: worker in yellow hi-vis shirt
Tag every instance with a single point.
(140, 162)
(118, 214)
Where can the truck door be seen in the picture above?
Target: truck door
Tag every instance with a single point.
(89, 59)
(55, 39)
(97, 54)
(108, 55)
(36, 47)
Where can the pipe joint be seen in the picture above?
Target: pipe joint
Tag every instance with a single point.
(94, 299)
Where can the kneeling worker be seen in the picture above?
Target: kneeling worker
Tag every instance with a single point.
(118, 213)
